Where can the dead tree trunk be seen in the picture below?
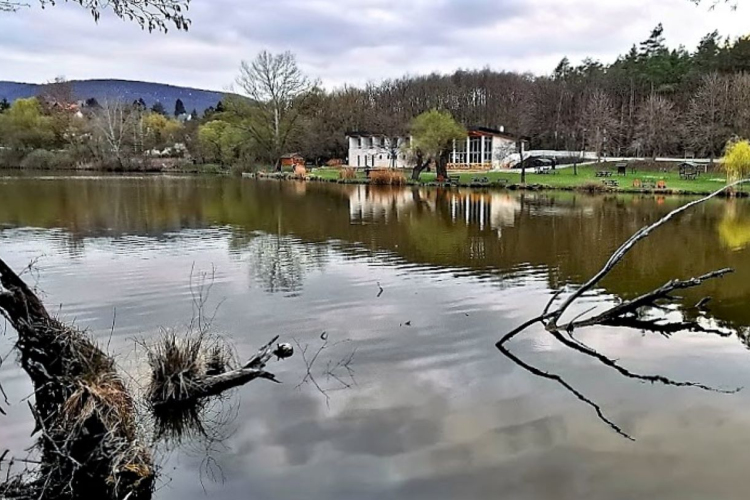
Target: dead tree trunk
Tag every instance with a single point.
(85, 417)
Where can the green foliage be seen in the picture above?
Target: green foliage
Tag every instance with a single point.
(160, 131)
(220, 142)
(4, 105)
(736, 161)
(434, 131)
(24, 126)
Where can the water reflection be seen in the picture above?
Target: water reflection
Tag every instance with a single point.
(437, 412)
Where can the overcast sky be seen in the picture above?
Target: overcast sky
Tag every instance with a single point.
(352, 41)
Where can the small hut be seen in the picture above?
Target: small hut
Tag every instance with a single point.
(292, 160)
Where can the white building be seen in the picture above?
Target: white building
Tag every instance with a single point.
(377, 150)
(483, 149)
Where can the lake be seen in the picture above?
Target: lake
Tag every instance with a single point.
(411, 288)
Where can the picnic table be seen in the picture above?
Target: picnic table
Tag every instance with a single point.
(482, 181)
(454, 180)
(611, 183)
(604, 173)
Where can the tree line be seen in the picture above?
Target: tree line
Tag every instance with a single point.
(651, 101)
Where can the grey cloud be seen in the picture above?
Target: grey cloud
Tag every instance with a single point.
(342, 42)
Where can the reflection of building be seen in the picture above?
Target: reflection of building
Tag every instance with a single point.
(487, 210)
(484, 210)
(368, 203)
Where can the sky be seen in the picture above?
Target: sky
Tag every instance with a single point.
(348, 42)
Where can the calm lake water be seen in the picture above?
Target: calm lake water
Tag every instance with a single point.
(431, 410)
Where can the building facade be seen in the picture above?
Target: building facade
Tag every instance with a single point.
(483, 149)
(377, 151)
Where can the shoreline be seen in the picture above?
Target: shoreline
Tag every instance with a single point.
(535, 186)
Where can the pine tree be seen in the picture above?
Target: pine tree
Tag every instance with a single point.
(158, 108)
(179, 108)
(194, 114)
(220, 107)
(4, 105)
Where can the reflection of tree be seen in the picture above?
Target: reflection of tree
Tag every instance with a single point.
(734, 229)
(280, 263)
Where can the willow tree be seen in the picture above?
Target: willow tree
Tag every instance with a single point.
(433, 133)
(736, 161)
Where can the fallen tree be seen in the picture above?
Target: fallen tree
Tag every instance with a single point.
(89, 436)
(629, 313)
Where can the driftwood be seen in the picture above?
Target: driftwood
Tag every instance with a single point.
(625, 314)
(90, 443)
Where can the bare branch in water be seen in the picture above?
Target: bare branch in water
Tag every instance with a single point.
(625, 314)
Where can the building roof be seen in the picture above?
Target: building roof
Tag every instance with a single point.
(491, 131)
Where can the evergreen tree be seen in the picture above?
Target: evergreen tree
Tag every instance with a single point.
(91, 102)
(209, 112)
(194, 114)
(179, 108)
(220, 107)
(4, 105)
(158, 108)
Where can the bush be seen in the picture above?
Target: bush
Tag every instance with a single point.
(10, 158)
(387, 178)
(41, 159)
(348, 174)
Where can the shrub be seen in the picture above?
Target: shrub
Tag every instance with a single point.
(10, 158)
(387, 178)
(41, 159)
(348, 174)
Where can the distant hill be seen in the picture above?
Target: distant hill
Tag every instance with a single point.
(122, 90)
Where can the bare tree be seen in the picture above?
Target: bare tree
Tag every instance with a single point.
(599, 120)
(708, 113)
(153, 15)
(113, 125)
(657, 125)
(277, 90)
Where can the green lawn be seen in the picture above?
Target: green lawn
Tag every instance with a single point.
(564, 178)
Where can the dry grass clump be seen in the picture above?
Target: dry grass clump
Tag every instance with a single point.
(348, 174)
(179, 365)
(387, 178)
(592, 187)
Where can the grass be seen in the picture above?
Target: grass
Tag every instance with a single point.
(565, 178)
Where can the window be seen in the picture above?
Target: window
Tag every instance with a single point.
(459, 151)
(475, 150)
(394, 142)
(488, 150)
(359, 161)
(359, 142)
(380, 157)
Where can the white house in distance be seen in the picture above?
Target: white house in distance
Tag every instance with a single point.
(483, 149)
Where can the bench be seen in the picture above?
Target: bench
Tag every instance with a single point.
(611, 183)
(454, 180)
(689, 175)
(482, 181)
(604, 173)
(502, 182)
